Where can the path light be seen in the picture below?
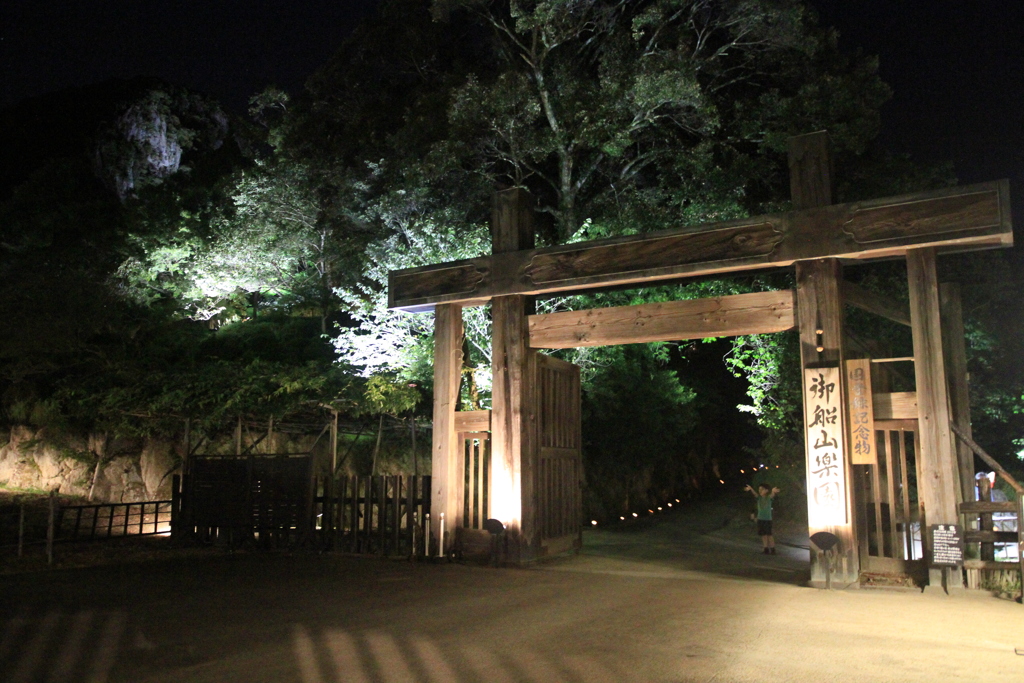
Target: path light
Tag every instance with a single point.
(594, 522)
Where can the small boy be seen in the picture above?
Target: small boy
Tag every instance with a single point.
(764, 496)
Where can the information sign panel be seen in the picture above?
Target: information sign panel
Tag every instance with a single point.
(826, 465)
(861, 412)
(947, 545)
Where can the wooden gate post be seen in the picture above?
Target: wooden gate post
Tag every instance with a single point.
(820, 318)
(938, 478)
(513, 422)
(447, 372)
(954, 348)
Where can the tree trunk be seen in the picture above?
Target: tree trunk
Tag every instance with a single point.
(415, 458)
(376, 448)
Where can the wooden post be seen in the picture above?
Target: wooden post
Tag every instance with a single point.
(820, 321)
(938, 479)
(270, 435)
(512, 496)
(447, 372)
(188, 445)
(51, 531)
(334, 444)
(955, 351)
(415, 457)
(21, 528)
(175, 507)
(810, 170)
(238, 436)
(820, 307)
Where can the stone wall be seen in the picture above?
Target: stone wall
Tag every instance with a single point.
(132, 469)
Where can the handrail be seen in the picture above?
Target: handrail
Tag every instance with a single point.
(989, 460)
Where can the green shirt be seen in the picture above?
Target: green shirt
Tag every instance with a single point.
(764, 508)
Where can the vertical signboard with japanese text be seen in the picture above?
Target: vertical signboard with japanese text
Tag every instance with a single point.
(861, 412)
(826, 469)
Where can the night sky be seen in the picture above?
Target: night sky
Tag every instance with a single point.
(956, 66)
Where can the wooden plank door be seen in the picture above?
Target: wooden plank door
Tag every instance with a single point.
(559, 479)
(889, 531)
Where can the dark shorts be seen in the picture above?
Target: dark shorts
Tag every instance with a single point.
(764, 527)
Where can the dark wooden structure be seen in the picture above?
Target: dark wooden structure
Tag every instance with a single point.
(235, 498)
(817, 239)
(384, 515)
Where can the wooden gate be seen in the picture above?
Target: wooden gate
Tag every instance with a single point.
(262, 497)
(476, 471)
(559, 482)
(888, 523)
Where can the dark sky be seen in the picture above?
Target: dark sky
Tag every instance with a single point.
(956, 66)
(226, 48)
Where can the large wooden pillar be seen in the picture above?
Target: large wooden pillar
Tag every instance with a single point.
(938, 473)
(444, 487)
(820, 319)
(954, 348)
(513, 418)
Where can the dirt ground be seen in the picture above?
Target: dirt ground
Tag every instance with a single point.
(684, 597)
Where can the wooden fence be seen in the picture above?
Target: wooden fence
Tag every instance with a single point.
(986, 536)
(474, 499)
(113, 520)
(22, 528)
(385, 515)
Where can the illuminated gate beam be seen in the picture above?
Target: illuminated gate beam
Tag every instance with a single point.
(814, 237)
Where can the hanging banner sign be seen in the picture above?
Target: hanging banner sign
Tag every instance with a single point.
(826, 467)
(861, 411)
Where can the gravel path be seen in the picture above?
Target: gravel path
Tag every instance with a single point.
(683, 597)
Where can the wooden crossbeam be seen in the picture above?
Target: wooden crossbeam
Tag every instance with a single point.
(900, 405)
(954, 219)
(855, 295)
(473, 421)
(726, 316)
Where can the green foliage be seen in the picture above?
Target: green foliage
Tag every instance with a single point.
(125, 402)
(390, 396)
(634, 114)
(637, 419)
(183, 264)
(770, 363)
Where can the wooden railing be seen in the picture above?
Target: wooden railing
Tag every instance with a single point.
(982, 510)
(22, 528)
(113, 520)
